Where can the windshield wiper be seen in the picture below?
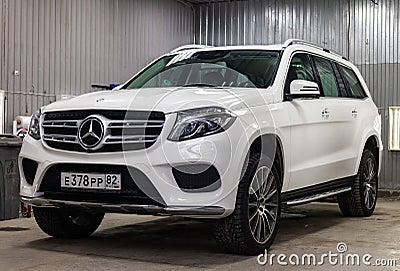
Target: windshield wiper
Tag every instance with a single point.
(199, 85)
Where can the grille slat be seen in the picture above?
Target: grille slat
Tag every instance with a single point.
(131, 139)
(137, 124)
(60, 124)
(63, 122)
(124, 130)
(61, 138)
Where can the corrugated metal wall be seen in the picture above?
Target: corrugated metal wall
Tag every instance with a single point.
(365, 31)
(63, 46)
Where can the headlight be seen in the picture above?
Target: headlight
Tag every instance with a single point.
(34, 126)
(200, 122)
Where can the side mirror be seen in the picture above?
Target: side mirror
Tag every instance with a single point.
(116, 87)
(107, 87)
(303, 89)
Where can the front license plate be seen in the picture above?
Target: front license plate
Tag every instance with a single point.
(99, 181)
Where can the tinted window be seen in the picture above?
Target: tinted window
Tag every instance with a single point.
(300, 68)
(339, 79)
(353, 84)
(327, 76)
(219, 68)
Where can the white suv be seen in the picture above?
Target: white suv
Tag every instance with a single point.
(234, 134)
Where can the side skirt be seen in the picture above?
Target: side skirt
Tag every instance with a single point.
(318, 191)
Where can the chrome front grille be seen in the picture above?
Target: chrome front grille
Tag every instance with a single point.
(123, 130)
(132, 125)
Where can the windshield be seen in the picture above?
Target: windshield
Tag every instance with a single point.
(221, 68)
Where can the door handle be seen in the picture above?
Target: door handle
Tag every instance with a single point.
(325, 113)
(354, 113)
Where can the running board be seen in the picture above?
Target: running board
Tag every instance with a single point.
(317, 196)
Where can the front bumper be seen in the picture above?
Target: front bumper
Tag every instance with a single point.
(224, 151)
(126, 208)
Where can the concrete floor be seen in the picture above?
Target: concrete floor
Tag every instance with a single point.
(129, 242)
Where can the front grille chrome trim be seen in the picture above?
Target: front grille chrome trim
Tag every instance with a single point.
(135, 131)
(60, 124)
(61, 138)
(131, 139)
(136, 124)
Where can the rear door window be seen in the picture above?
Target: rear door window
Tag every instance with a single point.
(354, 86)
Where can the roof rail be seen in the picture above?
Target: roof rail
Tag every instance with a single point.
(189, 47)
(289, 42)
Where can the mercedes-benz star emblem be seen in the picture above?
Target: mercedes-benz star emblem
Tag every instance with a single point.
(91, 132)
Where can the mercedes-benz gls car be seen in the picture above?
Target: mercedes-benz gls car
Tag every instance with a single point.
(229, 134)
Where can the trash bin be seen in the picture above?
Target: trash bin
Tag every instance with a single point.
(9, 176)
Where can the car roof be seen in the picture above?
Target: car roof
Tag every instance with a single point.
(199, 48)
(294, 44)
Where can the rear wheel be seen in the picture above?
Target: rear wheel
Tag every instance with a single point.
(63, 223)
(361, 200)
(253, 225)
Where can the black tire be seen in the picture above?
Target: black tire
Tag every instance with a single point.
(62, 223)
(361, 200)
(234, 233)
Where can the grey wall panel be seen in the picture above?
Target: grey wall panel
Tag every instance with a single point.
(359, 29)
(63, 46)
(270, 21)
(383, 81)
(367, 32)
(2, 52)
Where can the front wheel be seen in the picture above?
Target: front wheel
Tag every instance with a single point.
(253, 225)
(64, 223)
(361, 200)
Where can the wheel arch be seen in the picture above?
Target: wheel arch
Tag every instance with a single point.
(270, 145)
(372, 144)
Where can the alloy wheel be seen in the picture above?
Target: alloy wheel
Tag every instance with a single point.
(369, 183)
(263, 204)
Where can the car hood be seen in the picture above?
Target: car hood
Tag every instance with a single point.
(166, 100)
